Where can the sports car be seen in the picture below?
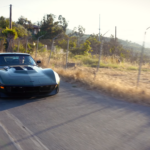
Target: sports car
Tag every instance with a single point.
(20, 75)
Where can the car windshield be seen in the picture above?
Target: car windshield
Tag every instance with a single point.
(8, 60)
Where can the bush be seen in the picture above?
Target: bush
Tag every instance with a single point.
(21, 48)
(10, 32)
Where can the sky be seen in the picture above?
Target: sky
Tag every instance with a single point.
(131, 17)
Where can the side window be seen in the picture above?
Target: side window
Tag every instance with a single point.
(32, 61)
(2, 61)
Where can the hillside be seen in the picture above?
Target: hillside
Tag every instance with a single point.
(126, 44)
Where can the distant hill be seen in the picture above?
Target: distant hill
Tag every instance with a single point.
(134, 46)
(126, 44)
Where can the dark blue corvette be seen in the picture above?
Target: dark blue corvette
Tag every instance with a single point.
(21, 76)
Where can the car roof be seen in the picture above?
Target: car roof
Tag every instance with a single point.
(14, 53)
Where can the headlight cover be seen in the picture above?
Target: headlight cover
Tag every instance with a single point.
(57, 77)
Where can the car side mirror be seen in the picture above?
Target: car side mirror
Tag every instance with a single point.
(38, 62)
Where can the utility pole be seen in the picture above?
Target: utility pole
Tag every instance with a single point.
(141, 58)
(115, 38)
(99, 28)
(100, 53)
(100, 48)
(67, 52)
(10, 17)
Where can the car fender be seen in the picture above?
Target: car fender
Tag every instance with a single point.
(52, 74)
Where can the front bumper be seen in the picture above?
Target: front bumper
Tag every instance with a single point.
(25, 91)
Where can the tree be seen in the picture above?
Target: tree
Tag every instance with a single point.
(51, 28)
(21, 31)
(25, 22)
(63, 43)
(20, 28)
(79, 31)
(63, 22)
(4, 22)
(10, 35)
(2, 37)
(114, 48)
(84, 49)
(95, 44)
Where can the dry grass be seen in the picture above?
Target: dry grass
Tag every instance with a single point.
(116, 82)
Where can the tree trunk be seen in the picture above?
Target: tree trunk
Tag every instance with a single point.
(10, 45)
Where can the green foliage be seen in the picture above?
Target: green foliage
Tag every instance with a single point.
(21, 48)
(10, 33)
(76, 51)
(95, 44)
(39, 34)
(52, 28)
(110, 50)
(30, 48)
(72, 44)
(1, 35)
(21, 31)
(62, 22)
(79, 31)
(63, 44)
(6, 44)
(122, 55)
(87, 60)
(90, 62)
(132, 68)
(25, 23)
(78, 57)
(86, 48)
(4, 22)
(40, 45)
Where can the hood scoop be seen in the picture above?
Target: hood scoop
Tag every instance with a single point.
(29, 68)
(18, 68)
(22, 68)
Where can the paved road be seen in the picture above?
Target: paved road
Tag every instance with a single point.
(75, 119)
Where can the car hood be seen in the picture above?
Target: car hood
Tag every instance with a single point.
(26, 75)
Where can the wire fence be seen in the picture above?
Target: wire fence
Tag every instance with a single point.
(111, 67)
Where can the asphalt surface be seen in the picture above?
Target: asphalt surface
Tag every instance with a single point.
(75, 119)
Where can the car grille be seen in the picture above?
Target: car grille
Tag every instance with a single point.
(37, 89)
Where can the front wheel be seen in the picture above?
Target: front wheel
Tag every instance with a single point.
(57, 89)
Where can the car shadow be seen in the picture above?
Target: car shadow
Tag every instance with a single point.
(8, 103)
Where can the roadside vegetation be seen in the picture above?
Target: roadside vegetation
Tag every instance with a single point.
(119, 81)
(117, 75)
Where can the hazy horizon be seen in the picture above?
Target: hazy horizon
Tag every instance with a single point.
(129, 16)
